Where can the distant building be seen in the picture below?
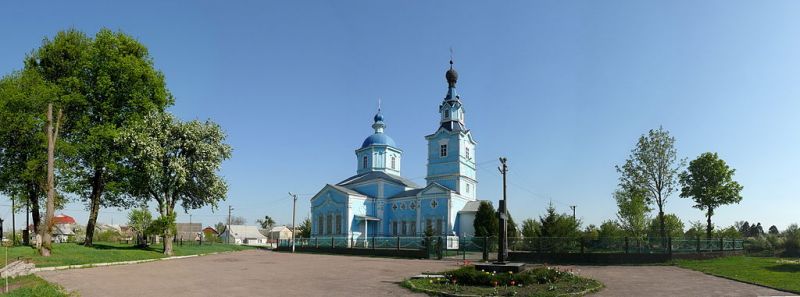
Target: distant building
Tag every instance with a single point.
(241, 234)
(210, 230)
(188, 231)
(279, 232)
(63, 228)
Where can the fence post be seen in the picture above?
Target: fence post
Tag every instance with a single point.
(698, 244)
(485, 248)
(398, 243)
(669, 246)
(463, 250)
(721, 244)
(626, 244)
(333, 243)
(581, 240)
(316, 241)
(373, 242)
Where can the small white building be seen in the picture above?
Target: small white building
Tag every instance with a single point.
(241, 234)
(279, 232)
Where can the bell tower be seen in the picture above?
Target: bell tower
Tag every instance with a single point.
(451, 149)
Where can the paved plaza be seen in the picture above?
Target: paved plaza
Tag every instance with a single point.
(265, 273)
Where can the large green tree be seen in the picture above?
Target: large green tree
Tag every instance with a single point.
(632, 209)
(709, 181)
(653, 166)
(175, 163)
(486, 222)
(110, 81)
(23, 145)
(559, 225)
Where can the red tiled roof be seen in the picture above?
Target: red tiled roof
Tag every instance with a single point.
(63, 219)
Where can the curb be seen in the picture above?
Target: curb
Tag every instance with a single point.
(79, 266)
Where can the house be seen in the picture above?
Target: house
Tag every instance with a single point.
(188, 231)
(63, 228)
(241, 234)
(210, 230)
(279, 232)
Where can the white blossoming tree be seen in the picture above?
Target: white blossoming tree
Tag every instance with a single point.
(175, 163)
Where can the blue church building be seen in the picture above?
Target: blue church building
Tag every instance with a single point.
(379, 201)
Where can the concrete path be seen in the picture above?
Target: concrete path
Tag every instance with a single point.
(264, 273)
(249, 273)
(666, 281)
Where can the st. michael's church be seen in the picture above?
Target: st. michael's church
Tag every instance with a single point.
(379, 201)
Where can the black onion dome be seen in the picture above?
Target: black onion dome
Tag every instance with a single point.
(451, 75)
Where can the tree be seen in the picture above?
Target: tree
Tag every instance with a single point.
(531, 228)
(304, 229)
(709, 181)
(729, 232)
(744, 229)
(52, 134)
(486, 222)
(696, 230)
(140, 219)
(672, 225)
(237, 220)
(591, 233)
(111, 82)
(774, 230)
(513, 230)
(559, 225)
(23, 144)
(653, 166)
(266, 223)
(632, 211)
(175, 163)
(755, 230)
(220, 226)
(611, 229)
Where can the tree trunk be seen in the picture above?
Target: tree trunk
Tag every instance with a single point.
(662, 227)
(168, 243)
(97, 190)
(33, 197)
(46, 232)
(708, 226)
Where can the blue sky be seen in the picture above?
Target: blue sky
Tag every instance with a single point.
(561, 88)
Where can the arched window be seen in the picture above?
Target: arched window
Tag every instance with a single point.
(365, 162)
(446, 113)
(393, 162)
(443, 150)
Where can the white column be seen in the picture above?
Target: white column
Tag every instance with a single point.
(419, 217)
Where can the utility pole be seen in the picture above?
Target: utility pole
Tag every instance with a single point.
(573, 211)
(294, 206)
(502, 251)
(228, 236)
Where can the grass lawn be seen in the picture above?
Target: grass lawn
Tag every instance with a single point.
(72, 253)
(32, 286)
(782, 274)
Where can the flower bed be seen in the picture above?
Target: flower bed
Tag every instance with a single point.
(541, 281)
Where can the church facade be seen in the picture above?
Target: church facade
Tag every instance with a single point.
(379, 201)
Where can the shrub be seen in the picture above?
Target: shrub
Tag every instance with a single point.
(791, 237)
(468, 275)
(107, 236)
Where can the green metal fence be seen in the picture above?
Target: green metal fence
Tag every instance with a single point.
(486, 247)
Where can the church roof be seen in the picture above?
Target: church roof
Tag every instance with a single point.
(378, 139)
(471, 206)
(358, 178)
(346, 190)
(409, 193)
